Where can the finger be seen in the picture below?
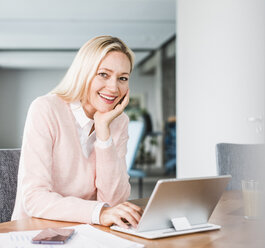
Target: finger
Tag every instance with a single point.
(119, 222)
(121, 106)
(127, 215)
(134, 212)
(126, 99)
(135, 207)
(136, 215)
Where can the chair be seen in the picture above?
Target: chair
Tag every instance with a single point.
(136, 133)
(9, 161)
(241, 161)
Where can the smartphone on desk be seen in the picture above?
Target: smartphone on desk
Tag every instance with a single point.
(53, 236)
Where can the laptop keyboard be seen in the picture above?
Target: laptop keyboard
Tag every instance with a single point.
(131, 229)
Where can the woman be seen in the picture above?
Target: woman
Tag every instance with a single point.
(72, 165)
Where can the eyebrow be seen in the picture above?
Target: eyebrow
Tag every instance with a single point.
(112, 71)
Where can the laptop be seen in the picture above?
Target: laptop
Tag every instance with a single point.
(179, 206)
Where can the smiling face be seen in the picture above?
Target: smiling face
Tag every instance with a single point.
(109, 85)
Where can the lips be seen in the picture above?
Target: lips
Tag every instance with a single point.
(107, 98)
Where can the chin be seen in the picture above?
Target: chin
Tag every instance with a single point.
(105, 109)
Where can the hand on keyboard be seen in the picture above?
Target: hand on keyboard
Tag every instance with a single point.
(120, 214)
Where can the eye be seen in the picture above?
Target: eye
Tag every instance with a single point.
(103, 74)
(123, 79)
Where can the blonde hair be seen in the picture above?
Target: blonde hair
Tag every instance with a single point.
(75, 84)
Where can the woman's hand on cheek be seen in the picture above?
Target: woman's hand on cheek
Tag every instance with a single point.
(124, 211)
(103, 120)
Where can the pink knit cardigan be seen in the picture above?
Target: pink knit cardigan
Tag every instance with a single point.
(55, 180)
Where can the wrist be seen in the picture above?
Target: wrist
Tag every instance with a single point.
(103, 144)
(101, 215)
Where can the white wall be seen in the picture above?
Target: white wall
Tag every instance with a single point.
(18, 88)
(220, 79)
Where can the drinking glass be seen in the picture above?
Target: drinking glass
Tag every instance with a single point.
(251, 197)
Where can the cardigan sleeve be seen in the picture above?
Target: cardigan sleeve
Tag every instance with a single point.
(112, 180)
(38, 198)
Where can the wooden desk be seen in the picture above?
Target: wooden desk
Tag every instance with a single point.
(236, 232)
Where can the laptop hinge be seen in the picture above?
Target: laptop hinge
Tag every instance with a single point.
(181, 223)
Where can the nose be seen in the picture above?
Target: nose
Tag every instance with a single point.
(112, 84)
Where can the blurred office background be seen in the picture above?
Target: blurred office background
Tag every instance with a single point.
(199, 70)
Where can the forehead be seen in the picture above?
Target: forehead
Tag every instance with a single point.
(116, 61)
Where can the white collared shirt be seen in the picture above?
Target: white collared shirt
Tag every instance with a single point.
(87, 140)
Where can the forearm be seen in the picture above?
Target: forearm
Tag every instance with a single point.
(112, 180)
(102, 131)
(44, 204)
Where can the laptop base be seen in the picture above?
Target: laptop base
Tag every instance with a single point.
(168, 232)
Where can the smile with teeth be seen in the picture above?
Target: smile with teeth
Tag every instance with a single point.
(109, 98)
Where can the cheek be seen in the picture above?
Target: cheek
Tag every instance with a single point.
(94, 87)
(124, 89)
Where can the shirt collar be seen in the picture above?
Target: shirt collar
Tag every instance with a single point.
(80, 115)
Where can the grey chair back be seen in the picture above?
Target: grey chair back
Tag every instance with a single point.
(241, 161)
(9, 161)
